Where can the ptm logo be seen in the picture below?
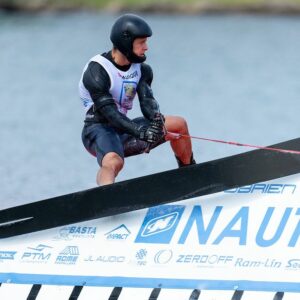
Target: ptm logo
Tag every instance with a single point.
(160, 224)
(39, 253)
(39, 248)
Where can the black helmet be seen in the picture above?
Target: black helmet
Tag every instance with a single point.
(126, 29)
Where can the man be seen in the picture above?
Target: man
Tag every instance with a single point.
(107, 88)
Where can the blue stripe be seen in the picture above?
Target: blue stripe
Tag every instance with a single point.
(150, 282)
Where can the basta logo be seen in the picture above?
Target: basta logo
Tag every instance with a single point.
(73, 232)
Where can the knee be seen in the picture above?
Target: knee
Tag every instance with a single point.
(113, 161)
(176, 124)
(181, 122)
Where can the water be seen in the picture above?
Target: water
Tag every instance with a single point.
(234, 78)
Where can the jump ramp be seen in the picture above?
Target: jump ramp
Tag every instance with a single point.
(227, 229)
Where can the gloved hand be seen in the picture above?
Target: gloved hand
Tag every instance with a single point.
(158, 122)
(151, 134)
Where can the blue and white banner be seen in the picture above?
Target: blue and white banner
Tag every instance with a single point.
(244, 238)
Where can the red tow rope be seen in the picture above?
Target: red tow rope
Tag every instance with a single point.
(237, 144)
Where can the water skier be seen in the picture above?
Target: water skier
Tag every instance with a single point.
(107, 88)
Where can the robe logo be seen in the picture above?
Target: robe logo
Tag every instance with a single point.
(68, 256)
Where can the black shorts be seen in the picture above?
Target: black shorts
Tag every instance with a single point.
(100, 139)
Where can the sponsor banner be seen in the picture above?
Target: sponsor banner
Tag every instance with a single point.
(7, 255)
(246, 235)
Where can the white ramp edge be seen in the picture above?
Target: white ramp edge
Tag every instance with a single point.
(47, 292)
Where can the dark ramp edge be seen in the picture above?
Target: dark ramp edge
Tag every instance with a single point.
(76, 292)
(237, 295)
(34, 292)
(195, 294)
(170, 186)
(154, 294)
(115, 294)
(278, 296)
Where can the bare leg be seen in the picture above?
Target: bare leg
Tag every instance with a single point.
(182, 147)
(112, 164)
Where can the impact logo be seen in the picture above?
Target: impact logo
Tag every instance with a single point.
(160, 224)
(7, 255)
(39, 254)
(68, 256)
(119, 233)
(73, 232)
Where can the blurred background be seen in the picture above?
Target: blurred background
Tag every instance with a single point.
(230, 67)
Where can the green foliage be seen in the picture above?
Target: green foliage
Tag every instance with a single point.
(100, 4)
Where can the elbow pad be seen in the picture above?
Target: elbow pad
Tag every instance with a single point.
(103, 101)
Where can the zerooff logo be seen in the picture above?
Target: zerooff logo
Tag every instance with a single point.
(160, 224)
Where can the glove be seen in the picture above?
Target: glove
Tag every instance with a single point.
(158, 121)
(151, 134)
